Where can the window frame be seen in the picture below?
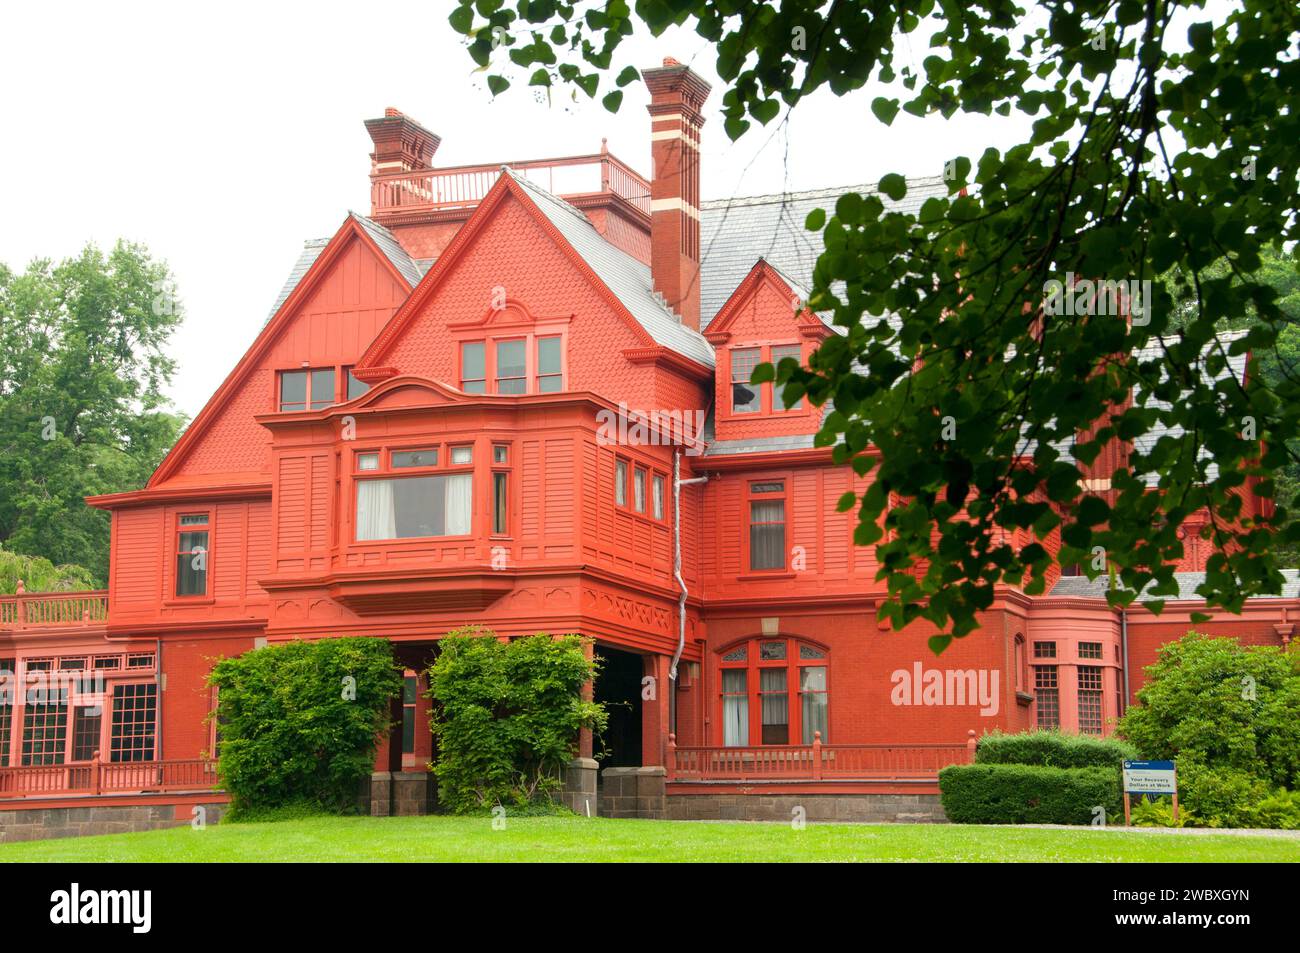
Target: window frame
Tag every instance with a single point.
(209, 527)
(340, 372)
(386, 471)
(627, 486)
(751, 497)
(530, 336)
(753, 664)
(767, 403)
(501, 470)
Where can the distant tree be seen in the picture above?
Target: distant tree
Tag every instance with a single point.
(82, 367)
(1162, 139)
(41, 575)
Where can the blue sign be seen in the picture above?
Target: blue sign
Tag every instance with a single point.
(1150, 777)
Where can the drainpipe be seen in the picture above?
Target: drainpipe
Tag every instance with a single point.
(678, 483)
(1123, 647)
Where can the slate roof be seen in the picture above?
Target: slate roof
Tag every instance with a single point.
(311, 250)
(1083, 587)
(626, 277)
(407, 266)
(735, 233)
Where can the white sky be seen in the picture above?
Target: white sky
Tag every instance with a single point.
(223, 136)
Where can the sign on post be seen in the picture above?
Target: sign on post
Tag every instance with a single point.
(1149, 777)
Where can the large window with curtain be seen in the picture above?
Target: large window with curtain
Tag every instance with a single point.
(414, 493)
(774, 691)
(767, 524)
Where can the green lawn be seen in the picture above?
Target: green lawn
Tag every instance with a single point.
(602, 839)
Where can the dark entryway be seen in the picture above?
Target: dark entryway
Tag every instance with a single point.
(619, 687)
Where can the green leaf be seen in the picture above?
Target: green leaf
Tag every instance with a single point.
(894, 185)
(885, 109)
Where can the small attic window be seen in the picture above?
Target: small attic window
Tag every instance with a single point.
(746, 398)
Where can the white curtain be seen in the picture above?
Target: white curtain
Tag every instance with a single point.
(459, 504)
(735, 708)
(376, 515)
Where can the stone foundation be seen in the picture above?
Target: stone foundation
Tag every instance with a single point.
(633, 792)
(860, 808)
(579, 791)
(401, 793)
(52, 822)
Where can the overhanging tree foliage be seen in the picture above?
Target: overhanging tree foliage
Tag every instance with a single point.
(82, 367)
(1162, 143)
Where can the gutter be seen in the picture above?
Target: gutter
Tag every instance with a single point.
(1123, 648)
(678, 483)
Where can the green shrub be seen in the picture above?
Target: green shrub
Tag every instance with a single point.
(507, 716)
(300, 722)
(1052, 749)
(1222, 797)
(1212, 702)
(1027, 794)
(1159, 812)
(1280, 810)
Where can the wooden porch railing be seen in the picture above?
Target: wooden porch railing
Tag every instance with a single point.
(101, 777)
(32, 609)
(459, 186)
(815, 762)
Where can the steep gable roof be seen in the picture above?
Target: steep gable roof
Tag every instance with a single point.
(628, 278)
(410, 269)
(625, 280)
(297, 290)
(735, 233)
(762, 274)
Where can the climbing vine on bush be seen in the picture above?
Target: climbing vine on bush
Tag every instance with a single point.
(507, 716)
(300, 722)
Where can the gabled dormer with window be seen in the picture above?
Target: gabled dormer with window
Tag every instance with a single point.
(764, 322)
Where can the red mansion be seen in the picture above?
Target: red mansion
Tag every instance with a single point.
(518, 396)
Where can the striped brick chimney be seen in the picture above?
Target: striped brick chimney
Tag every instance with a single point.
(676, 99)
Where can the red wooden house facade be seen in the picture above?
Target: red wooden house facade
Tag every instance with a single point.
(487, 404)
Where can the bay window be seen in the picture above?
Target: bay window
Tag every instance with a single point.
(775, 690)
(430, 502)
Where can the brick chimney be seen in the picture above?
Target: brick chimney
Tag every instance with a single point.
(401, 143)
(676, 99)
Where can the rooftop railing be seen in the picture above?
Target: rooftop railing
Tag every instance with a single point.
(402, 191)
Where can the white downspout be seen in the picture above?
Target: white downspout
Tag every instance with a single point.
(678, 483)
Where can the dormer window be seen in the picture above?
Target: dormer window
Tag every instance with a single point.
(747, 398)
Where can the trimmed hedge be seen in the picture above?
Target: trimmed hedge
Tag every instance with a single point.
(1027, 794)
(1052, 749)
